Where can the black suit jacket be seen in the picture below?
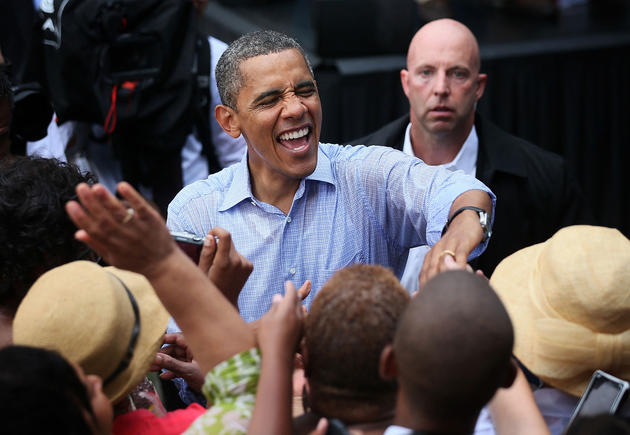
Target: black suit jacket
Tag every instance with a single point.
(536, 195)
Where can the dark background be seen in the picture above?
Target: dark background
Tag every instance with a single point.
(560, 79)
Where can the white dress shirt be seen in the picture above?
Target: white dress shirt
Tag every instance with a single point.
(465, 160)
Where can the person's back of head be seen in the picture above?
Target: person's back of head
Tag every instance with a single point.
(40, 392)
(451, 352)
(350, 321)
(36, 233)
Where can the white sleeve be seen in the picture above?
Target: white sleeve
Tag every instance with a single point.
(228, 149)
(53, 145)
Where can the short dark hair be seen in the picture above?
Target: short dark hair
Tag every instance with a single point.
(351, 320)
(36, 233)
(228, 74)
(40, 391)
(453, 346)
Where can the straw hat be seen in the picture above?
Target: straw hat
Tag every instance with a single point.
(569, 301)
(84, 312)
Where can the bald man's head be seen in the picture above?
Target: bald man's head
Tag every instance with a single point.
(442, 79)
(443, 35)
(453, 346)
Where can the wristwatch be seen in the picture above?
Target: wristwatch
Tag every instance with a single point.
(484, 221)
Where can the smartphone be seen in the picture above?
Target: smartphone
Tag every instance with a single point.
(604, 395)
(191, 244)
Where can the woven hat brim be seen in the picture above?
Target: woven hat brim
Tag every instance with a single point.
(513, 281)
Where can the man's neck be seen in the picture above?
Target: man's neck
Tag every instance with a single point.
(274, 189)
(414, 418)
(436, 149)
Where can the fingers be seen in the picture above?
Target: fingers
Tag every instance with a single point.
(322, 427)
(169, 363)
(137, 202)
(208, 252)
(304, 291)
(225, 244)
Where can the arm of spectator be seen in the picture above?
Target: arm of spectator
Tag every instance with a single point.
(140, 242)
(463, 235)
(224, 265)
(514, 410)
(177, 359)
(279, 334)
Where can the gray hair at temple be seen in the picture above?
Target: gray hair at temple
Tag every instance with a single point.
(228, 73)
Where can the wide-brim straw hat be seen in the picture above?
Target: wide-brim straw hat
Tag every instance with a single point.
(569, 301)
(84, 312)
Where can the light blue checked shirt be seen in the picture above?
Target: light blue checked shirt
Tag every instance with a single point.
(360, 205)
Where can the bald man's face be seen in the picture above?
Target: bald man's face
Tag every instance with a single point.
(442, 80)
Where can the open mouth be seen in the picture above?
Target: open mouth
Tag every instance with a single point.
(295, 140)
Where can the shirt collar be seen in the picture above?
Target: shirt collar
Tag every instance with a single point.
(466, 158)
(323, 170)
(240, 188)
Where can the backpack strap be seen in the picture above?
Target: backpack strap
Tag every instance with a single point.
(202, 102)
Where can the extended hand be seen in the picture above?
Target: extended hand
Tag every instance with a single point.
(281, 327)
(224, 265)
(463, 235)
(178, 360)
(134, 238)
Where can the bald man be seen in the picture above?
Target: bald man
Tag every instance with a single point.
(536, 195)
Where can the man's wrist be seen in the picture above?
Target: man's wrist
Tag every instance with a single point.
(484, 221)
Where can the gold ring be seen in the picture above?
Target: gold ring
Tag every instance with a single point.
(130, 213)
(446, 252)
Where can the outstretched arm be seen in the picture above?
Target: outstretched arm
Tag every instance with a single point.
(280, 331)
(140, 242)
(514, 410)
(463, 235)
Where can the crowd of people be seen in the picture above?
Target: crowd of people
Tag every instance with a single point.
(339, 288)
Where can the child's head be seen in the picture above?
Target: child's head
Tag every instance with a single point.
(40, 391)
(350, 321)
(452, 348)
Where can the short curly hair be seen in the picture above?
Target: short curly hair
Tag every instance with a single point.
(36, 233)
(228, 73)
(351, 320)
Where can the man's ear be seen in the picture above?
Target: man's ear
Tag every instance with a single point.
(404, 75)
(387, 364)
(481, 85)
(510, 374)
(228, 120)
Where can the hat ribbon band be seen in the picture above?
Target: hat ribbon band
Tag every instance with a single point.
(577, 349)
(126, 360)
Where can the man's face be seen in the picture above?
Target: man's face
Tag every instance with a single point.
(279, 115)
(442, 81)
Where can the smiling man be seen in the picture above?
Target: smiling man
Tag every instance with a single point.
(537, 195)
(299, 209)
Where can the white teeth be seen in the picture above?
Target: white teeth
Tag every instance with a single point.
(294, 134)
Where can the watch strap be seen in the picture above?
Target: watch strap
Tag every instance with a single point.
(485, 228)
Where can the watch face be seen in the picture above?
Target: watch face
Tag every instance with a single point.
(483, 219)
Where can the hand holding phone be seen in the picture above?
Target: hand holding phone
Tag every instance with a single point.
(189, 243)
(604, 395)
